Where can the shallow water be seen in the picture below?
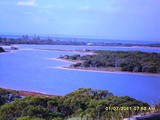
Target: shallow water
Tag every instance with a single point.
(72, 47)
(30, 70)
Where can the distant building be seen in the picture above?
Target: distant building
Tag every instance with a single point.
(89, 43)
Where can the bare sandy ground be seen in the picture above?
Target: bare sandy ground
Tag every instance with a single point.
(94, 70)
(101, 71)
(28, 93)
(57, 59)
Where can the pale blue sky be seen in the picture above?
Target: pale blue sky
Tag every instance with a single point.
(111, 19)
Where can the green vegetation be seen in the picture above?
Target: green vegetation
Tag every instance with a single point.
(83, 103)
(25, 39)
(7, 97)
(123, 61)
(36, 40)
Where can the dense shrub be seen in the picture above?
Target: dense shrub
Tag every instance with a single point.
(126, 61)
(86, 103)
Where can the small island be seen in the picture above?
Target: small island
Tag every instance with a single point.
(130, 61)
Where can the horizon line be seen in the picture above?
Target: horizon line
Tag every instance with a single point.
(78, 36)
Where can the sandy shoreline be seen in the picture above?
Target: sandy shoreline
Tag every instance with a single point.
(69, 51)
(27, 93)
(61, 60)
(94, 70)
(101, 71)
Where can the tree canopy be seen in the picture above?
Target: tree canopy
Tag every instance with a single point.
(83, 103)
(132, 61)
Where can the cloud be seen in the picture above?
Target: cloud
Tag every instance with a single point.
(27, 2)
(85, 8)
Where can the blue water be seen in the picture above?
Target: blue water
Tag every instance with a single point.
(29, 70)
(72, 47)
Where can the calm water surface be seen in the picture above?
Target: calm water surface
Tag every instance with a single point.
(72, 47)
(29, 70)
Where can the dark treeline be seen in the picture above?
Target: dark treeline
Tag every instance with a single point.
(37, 40)
(1, 50)
(83, 103)
(124, 61)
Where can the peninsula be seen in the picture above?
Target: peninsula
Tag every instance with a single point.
(114, 61)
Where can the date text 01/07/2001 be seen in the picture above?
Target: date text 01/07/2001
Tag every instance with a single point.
(136, 108)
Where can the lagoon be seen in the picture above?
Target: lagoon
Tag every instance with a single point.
(28, 69)
(112, 48)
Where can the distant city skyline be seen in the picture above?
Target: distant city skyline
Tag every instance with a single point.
(109, 19)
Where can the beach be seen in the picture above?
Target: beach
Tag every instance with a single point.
(95, 70)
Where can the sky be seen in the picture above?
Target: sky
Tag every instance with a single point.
(110, 19)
